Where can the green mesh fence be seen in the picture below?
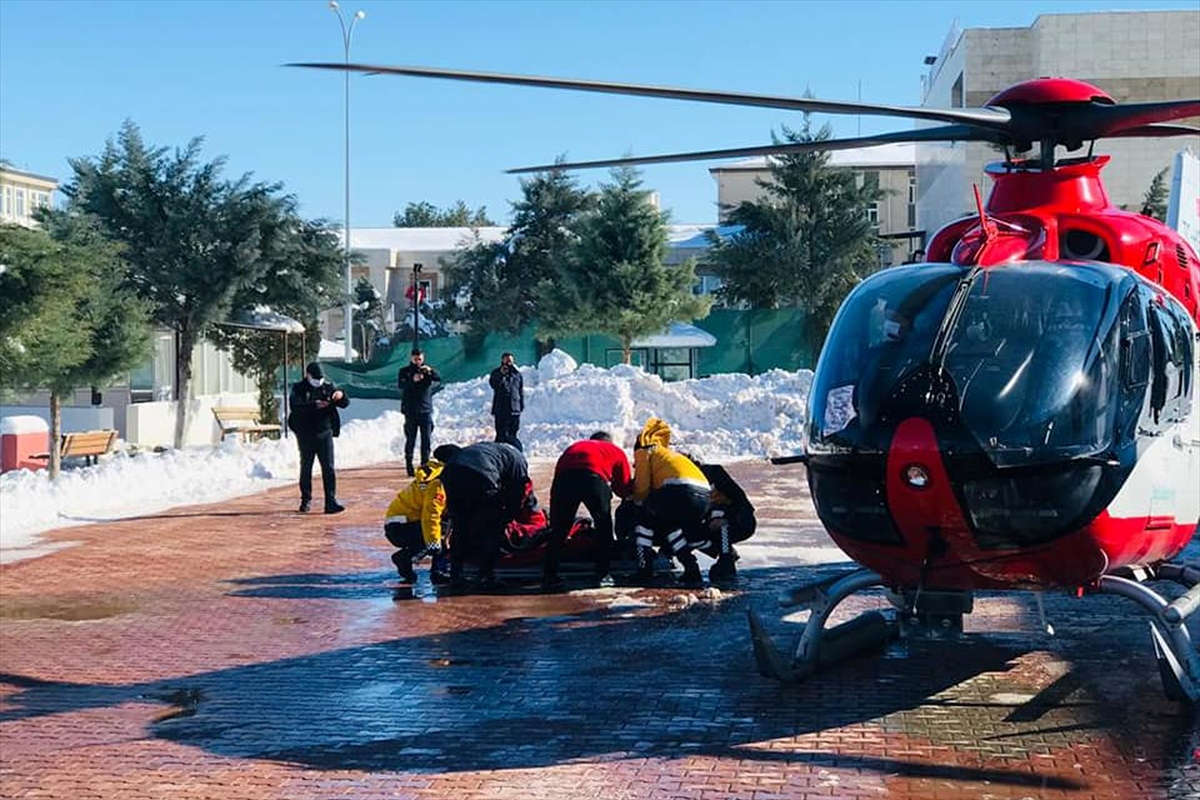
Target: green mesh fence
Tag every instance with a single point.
(747, 341)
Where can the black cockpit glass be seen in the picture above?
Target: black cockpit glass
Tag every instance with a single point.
(1035, 375)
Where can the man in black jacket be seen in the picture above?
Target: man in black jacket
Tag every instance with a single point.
(315, 421)
(416, 382)
(508, 400)
(485, 485)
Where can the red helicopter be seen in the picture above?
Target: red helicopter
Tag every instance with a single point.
(1019, 412)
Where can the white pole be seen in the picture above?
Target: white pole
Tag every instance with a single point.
(347, 34)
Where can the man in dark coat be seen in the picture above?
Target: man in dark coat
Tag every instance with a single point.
(485, 485)
(315, 421)
(416, 382)
(508, 400)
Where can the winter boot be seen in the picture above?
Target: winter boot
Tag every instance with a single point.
(691, 577)
(334, 507)
(723, 569)
(404, 566)
(439, 570)
(305, 505)
(552, 582)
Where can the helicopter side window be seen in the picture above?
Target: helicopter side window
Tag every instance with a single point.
(1135, 345)
(1170, 394)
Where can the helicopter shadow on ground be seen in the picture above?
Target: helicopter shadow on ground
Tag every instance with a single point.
(605, 684)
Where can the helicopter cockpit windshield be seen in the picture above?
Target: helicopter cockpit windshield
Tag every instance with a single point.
(1034, 376)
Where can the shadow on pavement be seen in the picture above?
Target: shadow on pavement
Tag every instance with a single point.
(609, 684)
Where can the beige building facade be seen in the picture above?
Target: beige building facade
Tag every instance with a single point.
(1134, 56)
(21, 194)
(892, 167)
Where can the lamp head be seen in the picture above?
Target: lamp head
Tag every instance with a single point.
(333, 5)
(360, 15)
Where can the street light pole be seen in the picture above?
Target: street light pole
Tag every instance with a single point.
(416, 298)
(347, 34)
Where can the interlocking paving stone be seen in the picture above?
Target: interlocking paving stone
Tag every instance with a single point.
(243, 651)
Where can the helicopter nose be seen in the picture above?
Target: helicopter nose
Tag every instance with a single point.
(919, 494)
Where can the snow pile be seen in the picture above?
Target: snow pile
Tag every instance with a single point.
(717, 418)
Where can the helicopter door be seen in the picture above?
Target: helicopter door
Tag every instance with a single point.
(1171, 414)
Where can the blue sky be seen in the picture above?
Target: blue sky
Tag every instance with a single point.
(71, 72)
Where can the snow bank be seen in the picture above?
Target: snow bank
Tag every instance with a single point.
(718, 418)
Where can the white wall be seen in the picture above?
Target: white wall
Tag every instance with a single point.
(153, 424)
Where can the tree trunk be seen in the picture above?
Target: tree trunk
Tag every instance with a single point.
(55, 434)
(626, 350)
(183, 388)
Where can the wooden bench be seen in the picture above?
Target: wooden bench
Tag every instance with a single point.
(88, 445)
(242, 420)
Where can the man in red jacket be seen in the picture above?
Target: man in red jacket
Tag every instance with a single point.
(587, 472)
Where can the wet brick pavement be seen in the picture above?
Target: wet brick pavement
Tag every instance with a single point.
(245, 651)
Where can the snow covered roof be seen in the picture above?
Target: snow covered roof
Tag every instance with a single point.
(678, 334)
(885, 155)
(264, 318)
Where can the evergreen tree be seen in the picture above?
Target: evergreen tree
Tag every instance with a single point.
(498, 283)
(807, 243)
(91, 330)
(427, 215)
(616, 283)
(192, 239)
(1154, 202)
(302, 278)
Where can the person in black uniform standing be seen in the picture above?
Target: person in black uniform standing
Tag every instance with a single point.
(508, 400)
(416, 382)
(315, 421)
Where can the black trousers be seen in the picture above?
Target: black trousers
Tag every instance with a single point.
(570, 488)
(473, 502)
(412, 423)
(507, 426)
(668, 513)
(319, 447)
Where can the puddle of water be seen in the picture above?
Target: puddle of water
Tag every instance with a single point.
(72, 610)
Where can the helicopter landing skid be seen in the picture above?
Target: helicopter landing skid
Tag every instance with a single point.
(819, 647)
(1178, 662)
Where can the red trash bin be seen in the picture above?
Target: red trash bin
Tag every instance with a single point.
(22, 437)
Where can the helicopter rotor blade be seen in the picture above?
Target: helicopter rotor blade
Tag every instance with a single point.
(1099, 121)
(986, 117)
(1155, 130)
(954, 133)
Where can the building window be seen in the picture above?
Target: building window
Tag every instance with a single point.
(7, 209)
(20, 210)
(873, 215)
(956, 93)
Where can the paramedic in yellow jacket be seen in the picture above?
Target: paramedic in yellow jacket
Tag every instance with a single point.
(414, 523)
(672, 495)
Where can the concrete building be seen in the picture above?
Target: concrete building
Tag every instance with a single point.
(1134, 56)
(22, 193)
(891, 166)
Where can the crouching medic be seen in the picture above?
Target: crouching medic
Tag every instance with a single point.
(415, 521)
